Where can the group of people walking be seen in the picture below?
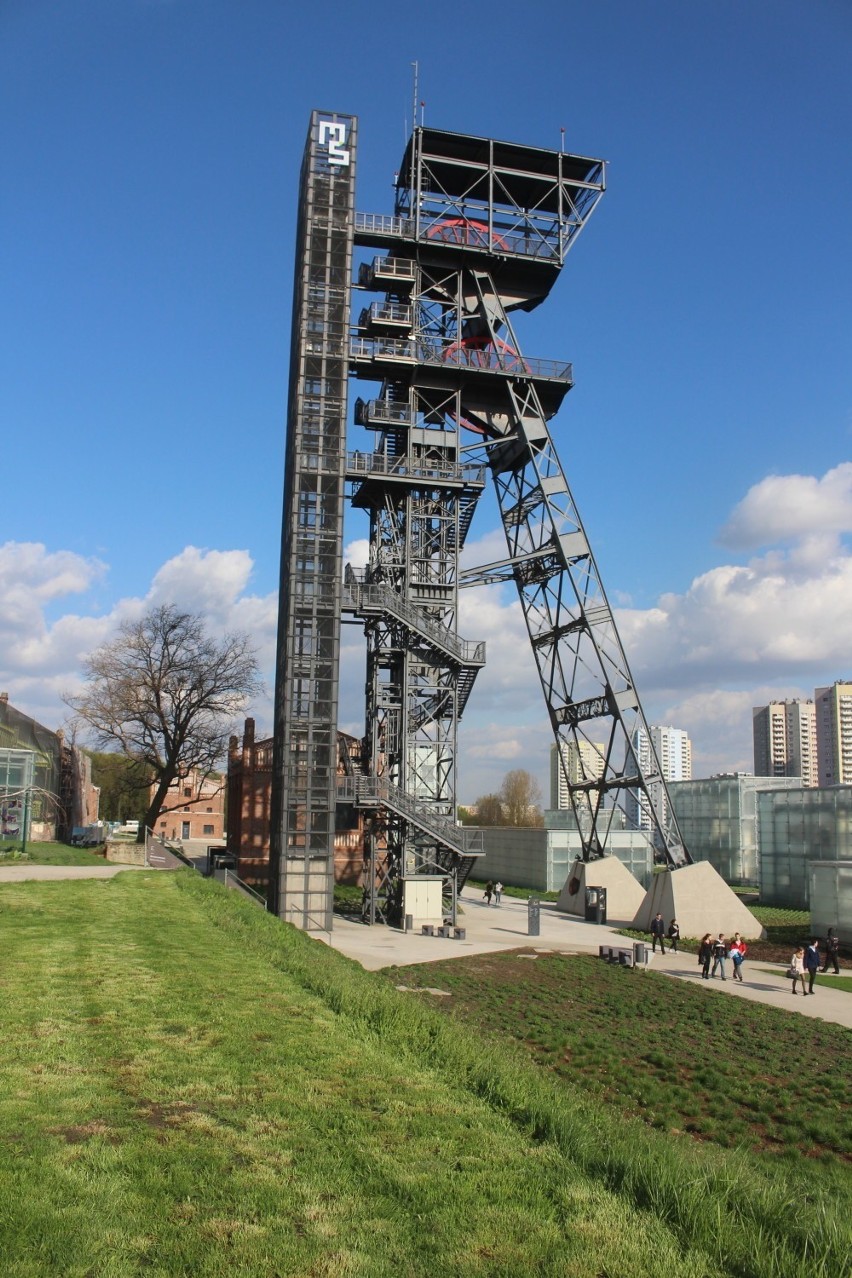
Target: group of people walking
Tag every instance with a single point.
(493, 889)
(804, 963)
(659, 933)
(716, 951)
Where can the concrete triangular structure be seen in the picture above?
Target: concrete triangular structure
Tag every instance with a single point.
(701, 901)
(624, 895)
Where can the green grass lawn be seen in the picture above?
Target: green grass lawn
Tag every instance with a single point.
(191, 1088)
(683, 1060)
(48, 854)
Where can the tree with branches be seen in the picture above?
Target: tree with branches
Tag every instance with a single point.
(520, 795)
(165, 693)
(515, 803)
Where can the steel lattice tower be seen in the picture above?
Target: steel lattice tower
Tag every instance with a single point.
(480, 230)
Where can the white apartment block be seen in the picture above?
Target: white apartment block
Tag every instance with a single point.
(834, 733)
(582, 760)
(673, 750)
(785, 740)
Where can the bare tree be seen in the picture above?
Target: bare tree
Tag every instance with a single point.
(166, 694)
(520, 795)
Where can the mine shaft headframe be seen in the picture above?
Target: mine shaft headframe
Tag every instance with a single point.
(517, 202)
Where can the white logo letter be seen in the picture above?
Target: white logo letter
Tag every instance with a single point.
(335, 135)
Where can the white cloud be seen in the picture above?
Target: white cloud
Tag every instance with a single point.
(357, 552)
(740, 635)
(782, 508)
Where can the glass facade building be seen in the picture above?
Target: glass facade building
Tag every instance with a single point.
(17, 769)
(797, 828)
(718, 819)
(831, 898)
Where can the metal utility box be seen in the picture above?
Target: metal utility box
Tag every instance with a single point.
(422, 899)
(595, 905)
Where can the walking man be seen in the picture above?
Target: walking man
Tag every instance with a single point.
(720, 953)
(498, 892)
(658, 933)
(811, 964)
(832, 945)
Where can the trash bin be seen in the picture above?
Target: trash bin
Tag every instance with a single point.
(595, 905)
(533, 917)
(640, 954)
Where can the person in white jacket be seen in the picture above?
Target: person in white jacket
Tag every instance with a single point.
(797, 969)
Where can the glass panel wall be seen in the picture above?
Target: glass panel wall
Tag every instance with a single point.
(796, 828)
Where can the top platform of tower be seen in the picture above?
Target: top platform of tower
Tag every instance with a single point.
(457, 165)
(521, 206)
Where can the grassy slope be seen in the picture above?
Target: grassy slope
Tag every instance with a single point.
(198, 1090)
(49, 854)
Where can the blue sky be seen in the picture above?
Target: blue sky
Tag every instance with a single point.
(150, 153)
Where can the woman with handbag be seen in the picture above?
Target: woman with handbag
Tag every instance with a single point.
(796, 970)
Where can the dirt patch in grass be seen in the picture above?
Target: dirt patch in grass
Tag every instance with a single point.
(76, 1135)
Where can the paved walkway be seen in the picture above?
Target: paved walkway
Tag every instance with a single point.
(764, 983)
(490, 929)
(22, 873)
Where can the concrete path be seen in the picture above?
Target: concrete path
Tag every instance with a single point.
(490, 929)
(22, 873)
(764, 983)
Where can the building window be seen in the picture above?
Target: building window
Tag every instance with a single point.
(187, 792)
(208, 829)
(209, 809)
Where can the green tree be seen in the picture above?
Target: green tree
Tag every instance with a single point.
(166, 694)
(123, 784)
(489, 811)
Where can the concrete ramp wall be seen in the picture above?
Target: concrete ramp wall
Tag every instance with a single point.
(624, 895)
(701, 901)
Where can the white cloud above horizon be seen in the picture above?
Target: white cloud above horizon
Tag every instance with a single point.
(778, 625)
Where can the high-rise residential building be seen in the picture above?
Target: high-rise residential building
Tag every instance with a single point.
(785, 740)
(834, 733)
(583, 761)
(674, 755)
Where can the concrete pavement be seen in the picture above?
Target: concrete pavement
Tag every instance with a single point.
(764, 983)
(20, 873)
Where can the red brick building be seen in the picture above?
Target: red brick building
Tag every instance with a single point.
(196, 809)
(249, 800)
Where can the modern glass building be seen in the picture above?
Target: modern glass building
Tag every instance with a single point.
(831, 898)
(718, 819)
(796, 828)
(542, 859)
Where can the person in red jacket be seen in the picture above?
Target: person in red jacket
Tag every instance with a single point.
(737, 950)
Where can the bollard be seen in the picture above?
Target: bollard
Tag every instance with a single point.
(533, 917)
